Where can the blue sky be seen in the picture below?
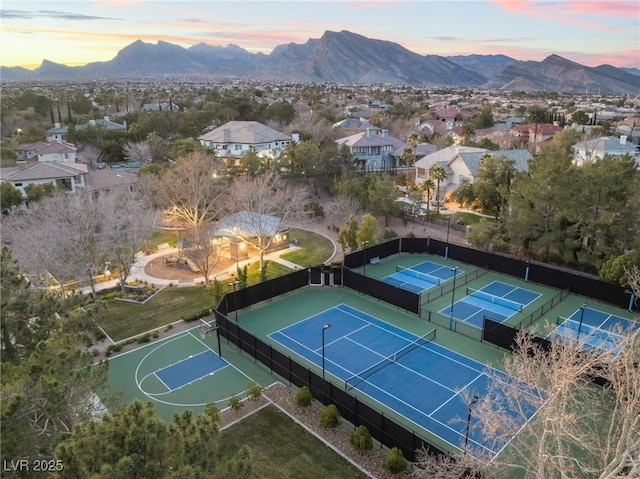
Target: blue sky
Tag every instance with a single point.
(77, 32)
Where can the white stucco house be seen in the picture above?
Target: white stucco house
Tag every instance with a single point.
(235, 138)
(463, 162)
(57, 150)
(70, 177)
(596, 148)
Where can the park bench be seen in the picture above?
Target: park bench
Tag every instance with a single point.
(375, 260)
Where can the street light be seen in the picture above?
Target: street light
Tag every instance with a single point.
(235, 300)
(582, 308)
(474, 400)
(364, 250)
(324, 328)
(453, 296)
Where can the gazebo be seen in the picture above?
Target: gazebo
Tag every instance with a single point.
(236, 233)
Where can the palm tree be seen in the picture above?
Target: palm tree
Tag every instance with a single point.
(536, 115)
(408, 158)
(439, 173)
(427, 186)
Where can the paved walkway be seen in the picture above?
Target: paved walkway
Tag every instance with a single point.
(138, 268)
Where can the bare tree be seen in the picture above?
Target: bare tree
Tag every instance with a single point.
(260, 200)
(201, 250)
(140, 152)
(190, 191)
(64, 236)
(580, 429)
(128, 223)
(344, 206)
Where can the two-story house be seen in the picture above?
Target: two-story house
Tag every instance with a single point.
(374, 151)
(235, 138)
(48, 151)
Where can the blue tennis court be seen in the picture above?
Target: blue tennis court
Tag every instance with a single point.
(419, 379)
(190, 369)
(497, 300)
(594, 329)
(420, 277)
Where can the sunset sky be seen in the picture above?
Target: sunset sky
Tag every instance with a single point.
(590, 32)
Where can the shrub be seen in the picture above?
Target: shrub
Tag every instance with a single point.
(395, 462)
(361, 439)
(169, 326)
(156, 334)
(254, 391)
(235, 403)
(303, 397)
(330, 416)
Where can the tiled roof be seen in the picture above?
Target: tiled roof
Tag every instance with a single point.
(47, 170)
(520, 158)
(243, 132)
(106, 179)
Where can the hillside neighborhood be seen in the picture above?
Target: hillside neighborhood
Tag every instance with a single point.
(158, 232)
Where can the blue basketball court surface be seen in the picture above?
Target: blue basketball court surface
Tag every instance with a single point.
(422, 381)
(497, 300)
(594, 329)
(190, 369)
(420, 277)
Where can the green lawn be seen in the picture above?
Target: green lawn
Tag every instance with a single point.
(281, 448)
(316, 249)
(124, 319)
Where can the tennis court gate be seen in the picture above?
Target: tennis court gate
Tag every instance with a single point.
(352, 409)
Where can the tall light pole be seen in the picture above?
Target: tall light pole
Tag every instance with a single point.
(364, 250)
(324, 328)
(474, 400)
(453, 296)
(582, 308)
(235, 300)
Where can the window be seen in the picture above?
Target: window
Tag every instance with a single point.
(237, 147)
(17, 184)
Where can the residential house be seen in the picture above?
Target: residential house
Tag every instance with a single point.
(596, 148)
(162, 106)
(235, 138)
(58, 150)
(463, 162)
(532, 134)
(70, 177)
(57, 133)
(374, 151)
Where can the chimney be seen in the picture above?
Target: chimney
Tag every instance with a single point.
(369, 132)
(57, 125)
(385, 133)
(106, 118)
(623, 139)
(295, 136)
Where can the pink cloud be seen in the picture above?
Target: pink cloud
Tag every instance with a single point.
(569, 12)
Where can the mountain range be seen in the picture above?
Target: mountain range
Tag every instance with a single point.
(342, 57)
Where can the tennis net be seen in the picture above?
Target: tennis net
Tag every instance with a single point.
(417, 274)
(422, 341)
(589, 331)
(492, 298)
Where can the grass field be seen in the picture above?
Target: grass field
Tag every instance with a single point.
(281, 448)
(316, 249)
(124, 319)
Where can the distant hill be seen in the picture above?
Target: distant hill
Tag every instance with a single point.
(487, 65)
(342, 57)
(558, 74)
